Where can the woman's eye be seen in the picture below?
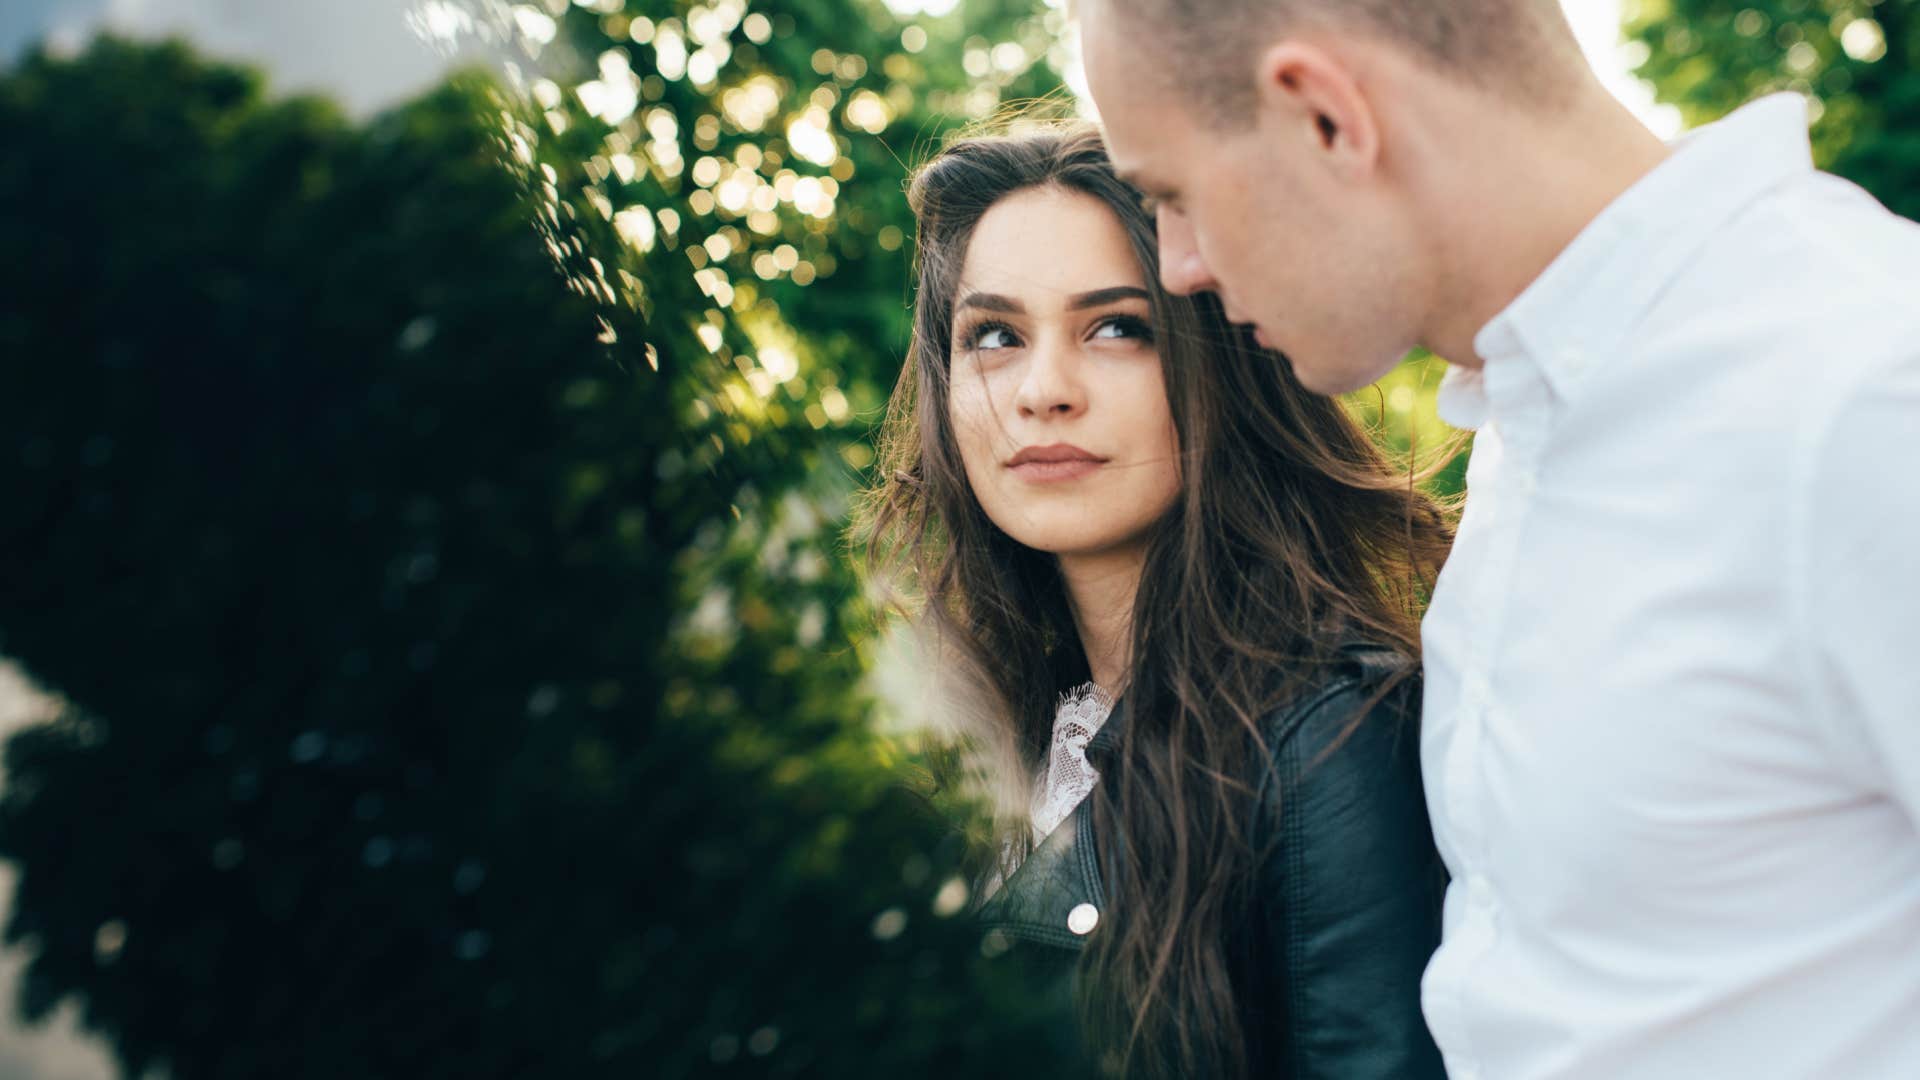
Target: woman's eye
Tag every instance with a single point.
(1124, 326)
(991, 336)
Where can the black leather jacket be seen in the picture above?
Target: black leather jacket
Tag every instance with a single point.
(1348, 909)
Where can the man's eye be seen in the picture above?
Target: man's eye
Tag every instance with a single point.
(1154, 204)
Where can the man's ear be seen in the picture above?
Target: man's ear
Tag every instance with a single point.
(1310, 92)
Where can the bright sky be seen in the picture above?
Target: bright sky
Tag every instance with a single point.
(1597, 24)
(360, 50)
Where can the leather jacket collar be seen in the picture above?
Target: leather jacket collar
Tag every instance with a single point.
(1054, 896)
(1346, 901)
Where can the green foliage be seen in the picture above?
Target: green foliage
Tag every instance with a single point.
(695, 130)
(1859, 60)
(452, 649)
(739, 174)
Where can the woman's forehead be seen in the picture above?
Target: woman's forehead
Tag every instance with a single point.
(1045, 246)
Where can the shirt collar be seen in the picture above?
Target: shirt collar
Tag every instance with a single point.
(1581, 309)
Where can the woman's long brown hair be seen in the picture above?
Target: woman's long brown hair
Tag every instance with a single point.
(1292, 533)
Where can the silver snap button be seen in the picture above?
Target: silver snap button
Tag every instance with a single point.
(1082, 918)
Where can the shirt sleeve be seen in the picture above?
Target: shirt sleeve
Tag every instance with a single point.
(1353, 891)
(1862, 576)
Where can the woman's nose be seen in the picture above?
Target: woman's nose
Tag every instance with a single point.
(1052, 386)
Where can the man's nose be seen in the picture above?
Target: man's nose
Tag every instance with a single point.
(1182, 271)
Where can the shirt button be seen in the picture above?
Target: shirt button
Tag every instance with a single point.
(1526, 482)
(1082, 918)
(1479, 690)
(1575, 360)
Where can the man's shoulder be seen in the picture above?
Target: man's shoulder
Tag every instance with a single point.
(1815, 283)
(1832, 243)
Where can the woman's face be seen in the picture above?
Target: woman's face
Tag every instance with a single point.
(1057, 398)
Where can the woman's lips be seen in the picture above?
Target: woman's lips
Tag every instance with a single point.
(1060, 461)
(1046, 471)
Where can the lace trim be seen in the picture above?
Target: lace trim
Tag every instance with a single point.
(1069, 778)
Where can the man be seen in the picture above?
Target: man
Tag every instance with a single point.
(1672, 730)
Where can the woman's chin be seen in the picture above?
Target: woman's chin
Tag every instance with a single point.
(1069, 543)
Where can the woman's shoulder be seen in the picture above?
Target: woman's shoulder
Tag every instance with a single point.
(1352, 886)
(1360, 683)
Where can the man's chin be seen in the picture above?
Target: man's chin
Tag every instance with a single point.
(1331, 380)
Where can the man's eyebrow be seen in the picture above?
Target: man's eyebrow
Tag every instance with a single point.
(992, 302)
(1139, 182)
(1103, 297)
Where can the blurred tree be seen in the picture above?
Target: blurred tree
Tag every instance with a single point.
(769, 147)
(450, 647)
(1858, 60)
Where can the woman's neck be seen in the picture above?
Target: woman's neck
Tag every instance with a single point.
(1101, 589)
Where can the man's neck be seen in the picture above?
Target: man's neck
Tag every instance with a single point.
(1531, 187)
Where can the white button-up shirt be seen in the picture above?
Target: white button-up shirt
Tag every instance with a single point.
(1672, 721)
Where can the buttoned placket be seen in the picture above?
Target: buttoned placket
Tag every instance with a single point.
(1521, 404)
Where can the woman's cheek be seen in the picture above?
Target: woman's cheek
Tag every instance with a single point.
(1166, 467)
(973, 430)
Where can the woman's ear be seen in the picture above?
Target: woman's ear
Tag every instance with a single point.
(1312, 96)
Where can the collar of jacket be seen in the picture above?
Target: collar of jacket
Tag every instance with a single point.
(1055, 895)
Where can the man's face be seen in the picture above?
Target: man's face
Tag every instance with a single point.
(1248, 211)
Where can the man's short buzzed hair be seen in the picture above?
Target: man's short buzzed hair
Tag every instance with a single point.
(1519, 48)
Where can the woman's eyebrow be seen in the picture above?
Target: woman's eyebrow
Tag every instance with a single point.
(1102, 297)
(1077, 302)
(992, 302)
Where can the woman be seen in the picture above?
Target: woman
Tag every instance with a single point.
(1108, 495)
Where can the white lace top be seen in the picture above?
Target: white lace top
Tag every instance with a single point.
(1068, 777)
